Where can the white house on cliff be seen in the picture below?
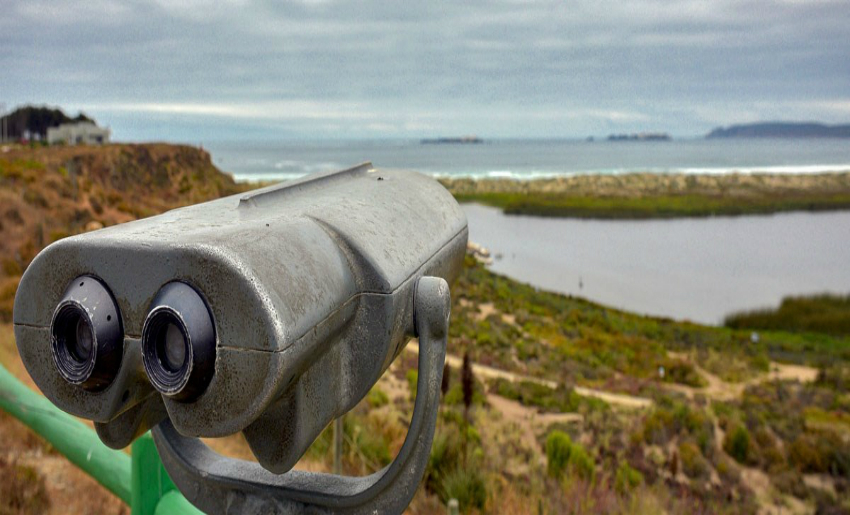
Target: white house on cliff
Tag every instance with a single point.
(78, 133)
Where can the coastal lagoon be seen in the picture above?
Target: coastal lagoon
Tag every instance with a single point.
(699, 269)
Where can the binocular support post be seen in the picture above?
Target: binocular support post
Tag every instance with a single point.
(217, 484)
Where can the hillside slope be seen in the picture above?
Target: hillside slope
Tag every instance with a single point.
(47, 193)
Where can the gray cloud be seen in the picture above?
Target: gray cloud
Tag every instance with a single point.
(200, 69)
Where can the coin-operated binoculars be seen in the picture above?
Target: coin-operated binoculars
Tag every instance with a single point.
(269, 313)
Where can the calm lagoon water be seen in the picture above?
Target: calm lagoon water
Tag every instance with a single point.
(697, 269)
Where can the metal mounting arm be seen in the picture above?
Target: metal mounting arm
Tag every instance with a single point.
(217, 484)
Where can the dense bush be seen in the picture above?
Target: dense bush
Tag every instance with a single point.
(627, 478)
(563, 454)
(693, 463)
(739, 444)
(558, 449)
(824, 452)
(446, 456)
(677, 371)
(672, 418)
(828, 314)
(581, 464)
(467, 486)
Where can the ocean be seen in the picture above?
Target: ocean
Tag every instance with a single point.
(528, 159)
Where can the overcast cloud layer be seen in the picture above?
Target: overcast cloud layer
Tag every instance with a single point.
(196, 70)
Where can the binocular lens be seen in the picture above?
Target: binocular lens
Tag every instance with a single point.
(82, 344)
(178, 342)
(87, 337)
(174, 343)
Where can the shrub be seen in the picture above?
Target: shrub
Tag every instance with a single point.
(377, 397)
(454, 397)
(693, 463)
(21, 489)
(446, 453)
(563, 454)
(836, 377)
(790, 482)
(558, 449)
(828, 314)
(412, 381)
(467, 486)
(738, 444)
(726, 468)
(581, 464)
(676, 371)
(671, 418)
(627, 478)
(803, 453)
(770, 455)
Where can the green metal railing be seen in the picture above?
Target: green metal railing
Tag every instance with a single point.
(138, 479)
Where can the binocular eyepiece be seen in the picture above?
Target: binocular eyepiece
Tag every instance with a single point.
(178, 339)
(87, 336)
(178, 342)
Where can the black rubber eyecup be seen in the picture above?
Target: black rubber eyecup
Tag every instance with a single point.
(87, 339)
(178, 343)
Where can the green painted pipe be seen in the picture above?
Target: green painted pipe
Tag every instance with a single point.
(174, 502)
(153, 490)
(140, 480)
(73, 439)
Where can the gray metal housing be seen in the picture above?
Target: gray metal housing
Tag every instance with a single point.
(310, 284)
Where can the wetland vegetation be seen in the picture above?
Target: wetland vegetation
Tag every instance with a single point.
(646, 196)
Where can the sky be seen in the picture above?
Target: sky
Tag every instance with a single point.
(198, 70)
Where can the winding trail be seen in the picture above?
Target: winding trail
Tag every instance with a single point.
(718, 389)
(617, 399)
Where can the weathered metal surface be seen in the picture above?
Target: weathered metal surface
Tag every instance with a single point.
(310, 285)
(225, 485)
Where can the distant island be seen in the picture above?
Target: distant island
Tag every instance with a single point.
(781, 130)
(460, 140)
(641, 136)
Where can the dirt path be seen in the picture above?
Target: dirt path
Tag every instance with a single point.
(528, 419)
(617, 399)
(717, 388)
